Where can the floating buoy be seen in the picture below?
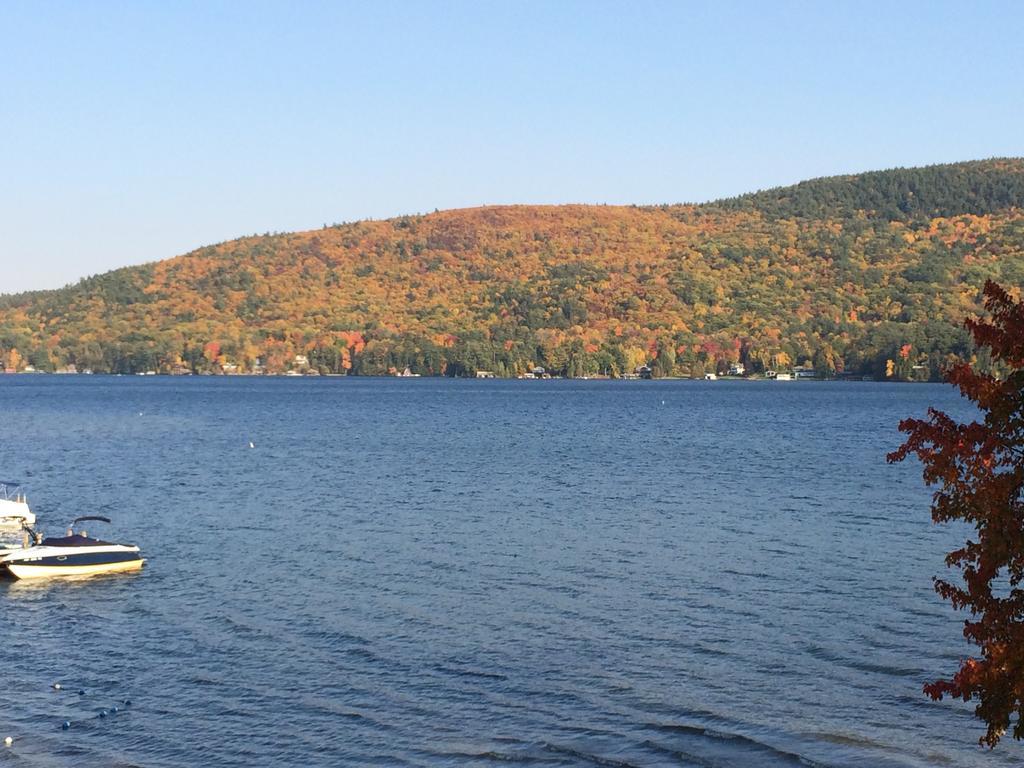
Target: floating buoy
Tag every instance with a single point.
(252, 444)
(65, 725)
(56, 686)
(8, 741)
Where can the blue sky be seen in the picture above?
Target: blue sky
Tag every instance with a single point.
(136, 131)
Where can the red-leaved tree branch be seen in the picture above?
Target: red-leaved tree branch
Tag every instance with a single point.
(979, 470)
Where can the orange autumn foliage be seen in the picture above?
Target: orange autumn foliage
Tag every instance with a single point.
(823, 269)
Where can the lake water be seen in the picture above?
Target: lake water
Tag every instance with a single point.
(436, 572)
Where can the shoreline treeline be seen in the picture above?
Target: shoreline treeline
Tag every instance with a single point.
(865, 275)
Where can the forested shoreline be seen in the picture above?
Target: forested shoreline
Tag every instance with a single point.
(866, 275)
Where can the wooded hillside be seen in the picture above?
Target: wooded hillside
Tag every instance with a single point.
(856, 273)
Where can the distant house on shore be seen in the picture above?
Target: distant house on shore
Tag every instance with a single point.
(485, 374)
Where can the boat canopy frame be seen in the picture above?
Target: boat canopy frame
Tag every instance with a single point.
(11, 490)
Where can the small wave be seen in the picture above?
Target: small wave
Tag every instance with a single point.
(734, 746)
(522, 757)
(863, 742)
(588, 756)
(334, 637)
(703, 649)
(462, 672)
(696, 730)
(750, 574)
(884, 669)
(687, 758)
(848, 739)
(719, 734)
(824, 654)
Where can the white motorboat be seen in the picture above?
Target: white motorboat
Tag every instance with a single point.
(14, 511)
(15, 516)
(76, 554)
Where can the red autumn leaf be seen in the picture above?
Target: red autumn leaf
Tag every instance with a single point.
(979, 470)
